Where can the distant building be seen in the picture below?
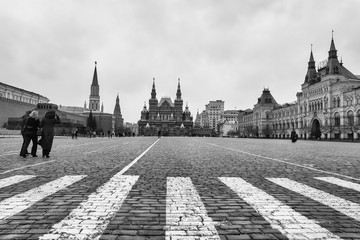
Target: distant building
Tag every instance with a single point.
(165, 116)
(327, 107)
(14, 102)
(215, 111)
(202, 125)
(229, 125)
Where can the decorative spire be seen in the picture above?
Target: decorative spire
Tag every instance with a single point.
(311, 72)
(178, 92)
(332, 51)
(95, 78)
(102, 107)
(153, 91)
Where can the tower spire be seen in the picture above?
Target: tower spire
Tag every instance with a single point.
(95, 78)
(310, 76)
(153, 91)
(178, 92)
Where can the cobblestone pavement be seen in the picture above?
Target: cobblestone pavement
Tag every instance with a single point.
(181, 188)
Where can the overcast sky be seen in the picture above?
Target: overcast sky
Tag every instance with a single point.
(228, 50)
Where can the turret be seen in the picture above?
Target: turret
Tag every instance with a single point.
(310, 76)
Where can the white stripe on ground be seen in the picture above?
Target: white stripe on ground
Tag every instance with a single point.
(136, 159)
(90, 219)
(14, 179)
(33, 165)
(290, 223)
(344, 206)
(341, 183)
(282, 161)
(20, 202)
(186, 216)
(92, 151)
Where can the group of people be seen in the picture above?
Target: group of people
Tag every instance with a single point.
(32, 127)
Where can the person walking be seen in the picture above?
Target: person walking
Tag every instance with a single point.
(293, 136)
(47, 123)
(23, 122)
(30, 134)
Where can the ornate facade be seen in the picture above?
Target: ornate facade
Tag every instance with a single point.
(165, 116)
(327, 107)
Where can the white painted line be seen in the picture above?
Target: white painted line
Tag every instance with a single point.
(344, 206)
(136, 159)
(14, 179)
(33, 165)
(20, 202)
(290, 223)
(282, 161)
(186, 216)
(8, 154)
(341, 183)
(90, 219)
(93, 151)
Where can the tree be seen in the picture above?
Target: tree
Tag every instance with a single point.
(91, 122)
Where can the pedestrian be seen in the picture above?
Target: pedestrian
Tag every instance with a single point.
(47, 123)
(23, 122)
(159, 133)
(293, 136)
(76, 133)
(30, 134)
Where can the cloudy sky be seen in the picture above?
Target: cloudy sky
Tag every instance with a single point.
(228, 50)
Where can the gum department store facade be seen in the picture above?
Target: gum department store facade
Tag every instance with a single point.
(327, 107)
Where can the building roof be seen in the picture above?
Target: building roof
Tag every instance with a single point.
(20, 89)
(266, 97)
(165, 99)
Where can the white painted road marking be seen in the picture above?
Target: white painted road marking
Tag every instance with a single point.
(279, 160)
(281, 217)
(341, 183)
(14, 179)
(20, 202)
(186, 216)
(344, 206)
(33, 165)
(90, 219)
(136, 159)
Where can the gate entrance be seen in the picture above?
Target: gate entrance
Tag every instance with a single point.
(315, 129)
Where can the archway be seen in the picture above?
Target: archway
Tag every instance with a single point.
(315, 129)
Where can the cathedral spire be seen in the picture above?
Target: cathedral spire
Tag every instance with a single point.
(178, 92)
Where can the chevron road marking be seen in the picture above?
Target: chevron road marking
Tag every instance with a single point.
(20, 202)
(281, 217)
(186, 216)
(90, 219)
(14, 179)
(344, 206)
(341, 183)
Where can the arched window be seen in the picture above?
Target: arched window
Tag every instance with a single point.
(350, 118)
(337, 119)
(334, 102)
(358, 117)
(338, 102)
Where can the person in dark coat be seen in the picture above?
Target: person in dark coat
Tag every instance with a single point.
(23, 122)
(293, 136)
(47, 136)
(30, 134)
